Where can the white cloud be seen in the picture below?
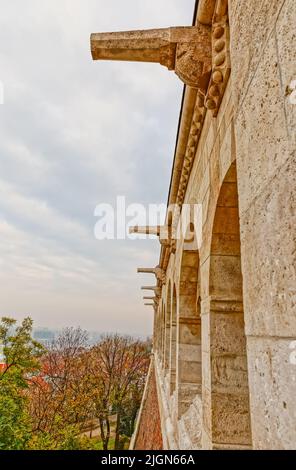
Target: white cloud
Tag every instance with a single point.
(75, 133)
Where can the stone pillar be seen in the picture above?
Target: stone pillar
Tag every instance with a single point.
(167, 334)
(188, 334)
(226, 397)
(163, 336)
(173, 343)
(263, 55)
(189, 362)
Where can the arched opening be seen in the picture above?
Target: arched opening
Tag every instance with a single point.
(173, 342)
(230, 415)
(162, 333)
(189, 373)
(157, 331)
(167, 330)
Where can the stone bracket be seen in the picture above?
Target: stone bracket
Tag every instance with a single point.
(164, 232)
(157, 271)
(156, 289)
(187, 50)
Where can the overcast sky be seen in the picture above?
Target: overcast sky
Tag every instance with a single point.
(76, 133)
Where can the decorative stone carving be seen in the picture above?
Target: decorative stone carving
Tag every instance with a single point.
(212, 99)
(187, 50)
(164, 232)
(150, 298)
(221, 59)
(156, 289)
(146, 229)
(159, 273)
(205, 11)
(196, 127)
(191, 71)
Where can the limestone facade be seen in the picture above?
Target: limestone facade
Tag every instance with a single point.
(225, 308)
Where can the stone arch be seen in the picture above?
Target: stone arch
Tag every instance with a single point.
(173, 340)
(189, 371)
(157, 331)
(167, 335)
(229, 392)
(161, 331)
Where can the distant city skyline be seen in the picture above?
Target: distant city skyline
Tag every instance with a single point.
(94, 335)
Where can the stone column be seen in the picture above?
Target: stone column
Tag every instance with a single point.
(263, 55)
(173, 343)
(188, 334)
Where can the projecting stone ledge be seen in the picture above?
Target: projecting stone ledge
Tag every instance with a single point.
(186, 50)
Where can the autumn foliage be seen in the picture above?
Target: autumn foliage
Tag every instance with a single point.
(69, 390)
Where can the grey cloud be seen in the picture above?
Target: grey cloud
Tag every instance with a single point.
(73, 134)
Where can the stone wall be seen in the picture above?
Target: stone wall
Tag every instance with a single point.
(243, 175)
(148, 434)
(263, 54)
(226, 316)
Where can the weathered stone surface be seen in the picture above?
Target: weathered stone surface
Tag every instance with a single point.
(251, 26)
(190, 371)
(225, 244)
(187, 50)
(205, 278)
(207, 418)
(205, 11)
(230, 415)
(227, 333)
(269, 257)
(285, 34)
(225, 276)
(206, 370)
(226, 219)
(190, 426)
(273, 392)
(229, 374)
(261, 129)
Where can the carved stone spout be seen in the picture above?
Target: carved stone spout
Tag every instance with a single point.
(186, 50)
(157, 290)
(157, 271)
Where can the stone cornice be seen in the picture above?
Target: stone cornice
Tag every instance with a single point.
(196, 106)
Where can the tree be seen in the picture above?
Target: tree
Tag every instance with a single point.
(81, 388)
(21, 359)
(49, 397)
(123, 364)
(130, 374)
(59, 396)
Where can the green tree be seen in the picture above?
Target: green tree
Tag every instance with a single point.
(20, 357)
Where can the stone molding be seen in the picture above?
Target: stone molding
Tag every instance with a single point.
(216, 14)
